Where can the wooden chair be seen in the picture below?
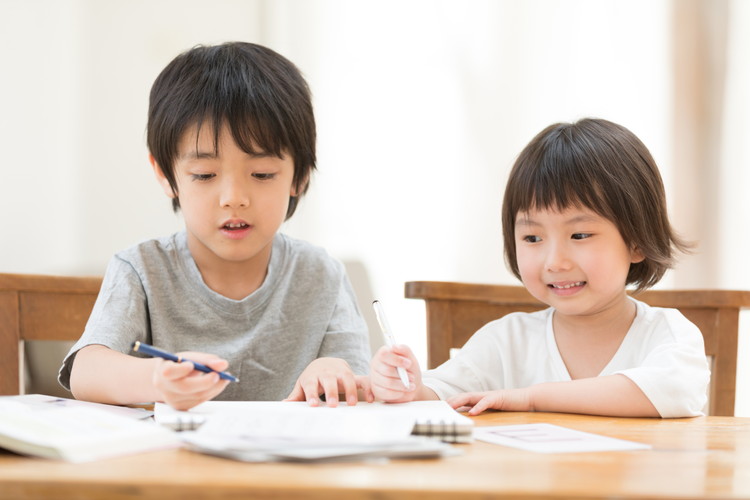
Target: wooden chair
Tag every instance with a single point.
(456, 310)
(37, 307)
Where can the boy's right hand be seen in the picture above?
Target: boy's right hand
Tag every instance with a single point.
(386, 383)
(182, 387)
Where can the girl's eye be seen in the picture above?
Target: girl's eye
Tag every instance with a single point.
(531, 239)
(581, 236)
(202, 177)
(263, 176)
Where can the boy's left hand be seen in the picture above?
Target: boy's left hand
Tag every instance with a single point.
(330, 376)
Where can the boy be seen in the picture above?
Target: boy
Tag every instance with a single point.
(231, 137)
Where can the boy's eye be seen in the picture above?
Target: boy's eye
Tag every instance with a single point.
(263, 176)
(202, 177)
(580, 236)
(531, 239)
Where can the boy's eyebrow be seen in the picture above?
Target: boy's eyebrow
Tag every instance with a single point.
(211, 155)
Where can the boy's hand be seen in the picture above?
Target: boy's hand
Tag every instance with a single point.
(330, 376)
(505, 399)
(386, 383)
(182, 387)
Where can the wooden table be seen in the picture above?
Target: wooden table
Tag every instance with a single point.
(705, 457)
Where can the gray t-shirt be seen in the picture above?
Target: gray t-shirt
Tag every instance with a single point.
(305, 309)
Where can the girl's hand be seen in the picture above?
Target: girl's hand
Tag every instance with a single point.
(506, 399)
(330, 376)
(386, 383)
(182, 387)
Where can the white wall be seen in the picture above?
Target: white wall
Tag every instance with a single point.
(422, 106)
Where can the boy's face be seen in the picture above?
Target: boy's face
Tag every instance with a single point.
(233, 202)
(573, 260)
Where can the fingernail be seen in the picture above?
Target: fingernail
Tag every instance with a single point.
(313, 401)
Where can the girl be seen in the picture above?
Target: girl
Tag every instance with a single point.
(584, 215)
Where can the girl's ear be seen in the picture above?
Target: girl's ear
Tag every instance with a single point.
(636, 255)
(161, 178)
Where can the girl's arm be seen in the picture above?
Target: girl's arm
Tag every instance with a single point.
(103, 375)
(611, 395)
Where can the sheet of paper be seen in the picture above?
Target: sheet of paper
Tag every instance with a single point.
(270, 431)
(549, 438)
(41, 401)
(364, 422)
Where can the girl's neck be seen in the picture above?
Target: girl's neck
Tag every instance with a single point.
(588, 343)
(616, 319)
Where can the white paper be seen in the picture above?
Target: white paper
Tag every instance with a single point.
(267, 431)
(549, 438)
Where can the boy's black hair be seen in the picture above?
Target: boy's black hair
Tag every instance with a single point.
(258, 94)
(602, 166)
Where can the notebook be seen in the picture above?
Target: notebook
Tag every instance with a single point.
(76, 431)
(364, 422)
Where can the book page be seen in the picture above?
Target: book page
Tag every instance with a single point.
(549, 438)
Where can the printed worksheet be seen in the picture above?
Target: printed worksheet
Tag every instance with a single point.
(549, 438)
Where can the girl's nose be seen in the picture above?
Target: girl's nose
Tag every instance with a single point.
(558, 258)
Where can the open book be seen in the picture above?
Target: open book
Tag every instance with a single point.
(259, 431)
(77, 431)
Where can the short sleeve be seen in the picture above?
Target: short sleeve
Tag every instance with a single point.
(119, 316)
(674, 374)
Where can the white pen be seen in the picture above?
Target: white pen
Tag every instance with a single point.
(389, 338)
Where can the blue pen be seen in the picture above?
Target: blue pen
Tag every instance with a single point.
(152, 351)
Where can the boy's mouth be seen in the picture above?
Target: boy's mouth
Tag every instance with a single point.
(235, 226)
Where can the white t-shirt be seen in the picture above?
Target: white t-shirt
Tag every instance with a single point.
(662, 353)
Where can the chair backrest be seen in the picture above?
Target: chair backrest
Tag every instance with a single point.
(456, 310)
(37, 307)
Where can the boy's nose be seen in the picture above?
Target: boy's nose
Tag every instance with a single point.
(234, 194)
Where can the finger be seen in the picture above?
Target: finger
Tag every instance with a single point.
(311, 391)
(170, 370)
(349, 385)
(330, 385)
(297, 393)
(481, 405)
(364, 384)
(465, 399)
(186, 401)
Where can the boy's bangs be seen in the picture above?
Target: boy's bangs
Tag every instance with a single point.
(251, 129)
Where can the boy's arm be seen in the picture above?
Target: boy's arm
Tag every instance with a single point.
(98, 370)
(610, 395)
(103, 375)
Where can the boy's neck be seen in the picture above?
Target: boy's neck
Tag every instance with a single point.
(234, 280)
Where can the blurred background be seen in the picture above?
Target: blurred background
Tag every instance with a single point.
(422, 107)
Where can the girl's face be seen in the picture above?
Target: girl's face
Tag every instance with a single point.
(573, 260)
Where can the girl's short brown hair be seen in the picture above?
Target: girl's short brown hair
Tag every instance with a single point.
(604, 167)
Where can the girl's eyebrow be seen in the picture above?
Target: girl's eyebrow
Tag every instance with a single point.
(583, 218)
(525, 221)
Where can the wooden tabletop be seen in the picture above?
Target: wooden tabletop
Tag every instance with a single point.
(704, 457)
